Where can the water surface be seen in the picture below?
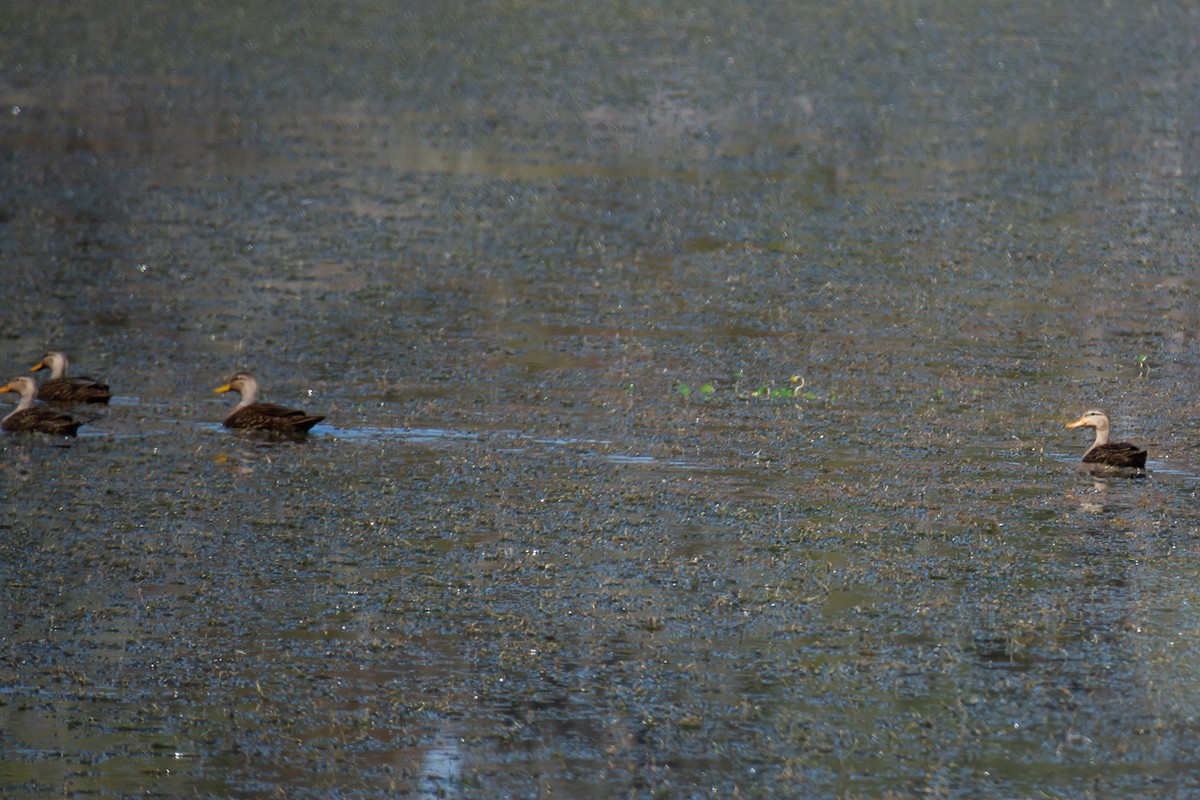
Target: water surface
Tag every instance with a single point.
(695, 381)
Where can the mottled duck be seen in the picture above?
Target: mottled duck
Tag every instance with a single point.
(62, 389)
(1104, 452)
(28, 418)
(253, 415)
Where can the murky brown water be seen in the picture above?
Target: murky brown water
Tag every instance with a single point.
(695, 381)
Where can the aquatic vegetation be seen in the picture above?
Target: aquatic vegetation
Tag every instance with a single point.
(685, 391)
(770, 391)
(796, 388)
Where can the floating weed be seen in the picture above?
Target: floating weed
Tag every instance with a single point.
(781, 393)
(795, 389)
(1143, 365)
(685, 391)
(799, 382)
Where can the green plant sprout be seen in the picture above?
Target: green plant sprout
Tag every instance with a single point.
(705, 389)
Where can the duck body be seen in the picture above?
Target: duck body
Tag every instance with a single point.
(270, 417)
(79, 389)
(250, 414)
(28, 418)
(1105, 453)
(62, 389)
(1118, 454)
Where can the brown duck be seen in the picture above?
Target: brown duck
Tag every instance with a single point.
(61, 389)
(28, 418)
(251, 414)
(1102, 451)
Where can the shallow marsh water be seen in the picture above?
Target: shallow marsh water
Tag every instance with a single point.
(571, 527)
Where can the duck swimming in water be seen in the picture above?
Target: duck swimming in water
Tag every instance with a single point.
(28, 418)
(1112, 454)
(61, 389)
(252, 415)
